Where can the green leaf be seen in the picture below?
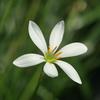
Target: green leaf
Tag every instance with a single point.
(32, 85)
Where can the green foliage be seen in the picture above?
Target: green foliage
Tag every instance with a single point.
(82, 23)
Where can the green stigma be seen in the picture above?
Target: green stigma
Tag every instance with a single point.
(50, 57)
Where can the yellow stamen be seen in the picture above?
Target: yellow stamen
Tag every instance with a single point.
(54, 49)
(49, 49)
(58, 58)
(58, 53)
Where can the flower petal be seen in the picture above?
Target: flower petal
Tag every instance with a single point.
(50, 70)
(73, 49)
(37, 36)
(56, 35)
(69, 70)
(28, 60)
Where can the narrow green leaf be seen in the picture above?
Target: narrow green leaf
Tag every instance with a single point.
(32, 85)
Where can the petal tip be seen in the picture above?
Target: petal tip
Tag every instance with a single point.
(54, 76)
(30, 21)
(51, 75)
(83, 45)
(15, 63)
(30, 24)
(79, 81)
(85, 48)
(62, 22)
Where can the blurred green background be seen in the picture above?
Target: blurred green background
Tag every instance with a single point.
(82, 24)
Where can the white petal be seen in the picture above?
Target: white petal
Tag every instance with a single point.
(69, 70)
(37, 36)
(73, 49)
(50, 70)
(56, 35)
(28, 60)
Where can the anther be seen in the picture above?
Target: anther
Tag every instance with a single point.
(58, 53)
(54, 49)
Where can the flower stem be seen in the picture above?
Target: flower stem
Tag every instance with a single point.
(32, 85)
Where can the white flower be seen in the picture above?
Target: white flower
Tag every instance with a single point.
(50, 55)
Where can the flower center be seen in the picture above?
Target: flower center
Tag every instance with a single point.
(51, 57)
